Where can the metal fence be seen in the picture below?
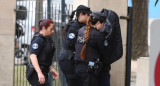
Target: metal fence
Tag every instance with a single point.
(29, 12)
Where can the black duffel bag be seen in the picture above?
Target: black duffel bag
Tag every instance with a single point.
(29, 71)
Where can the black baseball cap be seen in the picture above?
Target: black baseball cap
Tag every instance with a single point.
(84, 9)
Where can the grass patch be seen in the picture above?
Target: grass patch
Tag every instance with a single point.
(20, 76)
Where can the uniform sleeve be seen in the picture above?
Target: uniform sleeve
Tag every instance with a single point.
(36, 45)
(100, 42)
(71, 36)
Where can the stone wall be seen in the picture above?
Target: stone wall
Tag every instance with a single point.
(7, 31)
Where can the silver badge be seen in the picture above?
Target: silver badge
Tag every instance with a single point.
(35, 46)
(105, 43)
(71, 35)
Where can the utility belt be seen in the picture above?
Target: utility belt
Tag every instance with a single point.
(95, 67)
(81, 63)
(30, 70)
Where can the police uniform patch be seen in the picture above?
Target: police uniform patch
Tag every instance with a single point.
(105, 43)
(71, 35)
(35, 46)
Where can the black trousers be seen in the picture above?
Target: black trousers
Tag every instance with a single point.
(34, 81)
(104, 78)
(68, 68)
(85, 78)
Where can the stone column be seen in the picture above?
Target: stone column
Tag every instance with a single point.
(142, 71)
(120, 7)
(7, 32)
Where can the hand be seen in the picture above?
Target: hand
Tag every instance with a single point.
(41, 78)
(54, 74)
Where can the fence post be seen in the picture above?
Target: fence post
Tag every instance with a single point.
(129, 48)
(39, 13)
(49, 17)
(63, 11)
(63, 82)
(49, 8)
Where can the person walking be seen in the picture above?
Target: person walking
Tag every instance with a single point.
(41, 54)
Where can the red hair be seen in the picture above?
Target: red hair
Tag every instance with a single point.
(45, 23)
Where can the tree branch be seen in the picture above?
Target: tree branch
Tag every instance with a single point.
(156, 2)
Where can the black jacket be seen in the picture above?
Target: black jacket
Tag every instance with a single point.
(71, 34)
(44, 48)
(95, 46)
(114, 50)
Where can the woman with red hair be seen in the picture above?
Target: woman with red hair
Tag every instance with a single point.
(41, 54)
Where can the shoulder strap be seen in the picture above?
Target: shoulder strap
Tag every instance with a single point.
(109, 24)
(109, 12)
(36, 35)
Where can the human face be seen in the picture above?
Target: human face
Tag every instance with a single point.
(99, 25)
(50, 30)
(83, 18)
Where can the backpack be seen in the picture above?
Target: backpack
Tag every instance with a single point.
(112, 39)
(107, 28)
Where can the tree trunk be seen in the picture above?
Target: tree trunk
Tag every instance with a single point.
(140, 29)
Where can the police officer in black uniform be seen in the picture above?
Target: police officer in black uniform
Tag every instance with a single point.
(66, 61)
(41, 54)
(89, 50)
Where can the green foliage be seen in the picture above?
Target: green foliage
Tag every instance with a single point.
(156, 2)
(19, 76)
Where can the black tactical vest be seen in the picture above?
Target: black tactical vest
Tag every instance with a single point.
(46, 55)
(92, 48)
